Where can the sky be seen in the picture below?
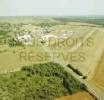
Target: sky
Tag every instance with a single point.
(51, 7)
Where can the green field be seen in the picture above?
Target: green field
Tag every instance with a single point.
(83, 50)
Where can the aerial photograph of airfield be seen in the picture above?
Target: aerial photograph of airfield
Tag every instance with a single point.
(51, 49)
(52, 58)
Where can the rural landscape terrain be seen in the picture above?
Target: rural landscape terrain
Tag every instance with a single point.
(52, 58)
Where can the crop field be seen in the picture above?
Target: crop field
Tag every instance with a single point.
(34, 40)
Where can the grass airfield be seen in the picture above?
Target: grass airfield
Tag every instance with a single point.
(86, 54)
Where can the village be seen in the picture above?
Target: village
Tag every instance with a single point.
(27, 37)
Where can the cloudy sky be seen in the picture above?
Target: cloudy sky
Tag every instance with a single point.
(51, 7)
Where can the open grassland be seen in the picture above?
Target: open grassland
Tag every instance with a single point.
(89, 44)
(12, 59)
(65, 47)
(83, 50)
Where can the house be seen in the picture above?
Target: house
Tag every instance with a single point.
(25, 39)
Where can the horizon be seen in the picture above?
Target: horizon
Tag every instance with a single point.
(55, 16)
(51, 7)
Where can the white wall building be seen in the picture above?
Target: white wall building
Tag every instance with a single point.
(25, 39)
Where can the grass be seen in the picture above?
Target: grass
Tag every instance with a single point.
(9, 56)
(82, 30)
(12, 57)
(91, 53)
(97, 20)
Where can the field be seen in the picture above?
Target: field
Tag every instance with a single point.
(80, 96)
(75, 41)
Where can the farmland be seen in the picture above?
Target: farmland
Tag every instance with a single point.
(25, 41)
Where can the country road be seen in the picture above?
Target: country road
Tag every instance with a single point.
(74, 48)
(92, 88)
